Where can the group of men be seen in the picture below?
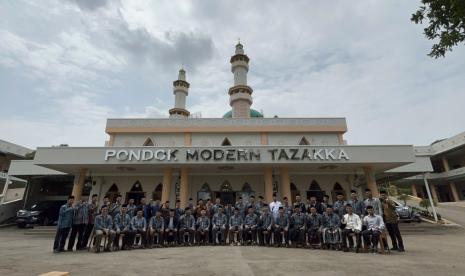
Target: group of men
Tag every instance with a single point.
(313, 225)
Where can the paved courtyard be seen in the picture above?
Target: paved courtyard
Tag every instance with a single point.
(431, 250)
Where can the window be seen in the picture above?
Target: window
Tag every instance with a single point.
(148, 142)
(304, 141)
(226, 142)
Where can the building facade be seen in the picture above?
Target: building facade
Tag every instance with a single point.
(241, 154)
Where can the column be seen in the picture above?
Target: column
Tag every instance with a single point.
(371, 181)
(286, 184)
(453, 189)
(78, 184)
(434, 192)
(445, 164)
(414, 190)
(268, 184)
(165, 193)
(184, 187)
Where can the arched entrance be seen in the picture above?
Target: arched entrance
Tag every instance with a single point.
(294, 192)
(315, 190)
(337, 189)
(204, 192)
(112, 193)
(226, 193)
(136, 192)
(156, 194)
(246, 192)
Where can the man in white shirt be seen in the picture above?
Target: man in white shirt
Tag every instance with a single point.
(353, 227)
(274, 207)
(375, 225)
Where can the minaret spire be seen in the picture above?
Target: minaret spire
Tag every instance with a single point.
(240, 95)
(180, 91)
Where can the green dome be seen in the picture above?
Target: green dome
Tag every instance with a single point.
(253, 114)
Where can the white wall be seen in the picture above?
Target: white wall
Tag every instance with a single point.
(294, 138)
(159, 139)
(216, 139)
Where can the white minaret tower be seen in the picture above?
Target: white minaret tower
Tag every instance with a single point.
(240, 95)
(180, 91)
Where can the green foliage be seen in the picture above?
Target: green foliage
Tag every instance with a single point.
(446, 23)
(425, 203)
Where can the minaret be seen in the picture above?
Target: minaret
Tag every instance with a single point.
(240, 95)
(180, 91)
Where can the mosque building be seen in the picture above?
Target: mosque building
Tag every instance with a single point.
(241, 154)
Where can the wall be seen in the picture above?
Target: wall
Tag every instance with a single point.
(137, 139)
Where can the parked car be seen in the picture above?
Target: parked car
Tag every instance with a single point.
(42, 213)
(405, 212)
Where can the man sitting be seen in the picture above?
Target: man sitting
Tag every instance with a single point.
(139, 227)
(156, 229)
(353, 226)
(375, 225)
(187, 227)
(281, 227)
(103, 227)
(297, 223)
(250, 226)
(331, 229)
(171, 228)
(314, 225)
(219, 223)
(123, 227)
(265, 226)
(235, 227)
(203, 226)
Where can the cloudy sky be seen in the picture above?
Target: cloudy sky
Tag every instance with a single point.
(66, 66)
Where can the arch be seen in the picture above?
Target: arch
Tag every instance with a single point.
(137, 187)
(315, 190)
(246, 192)
(148, 142)
(337, 188)
(156, 194)
(226, 187)
(294, 192)
(304, 141)
(136, 192)
(226, 142)
(246, 187)
(112, 192)
(204, 192)
(314, 186)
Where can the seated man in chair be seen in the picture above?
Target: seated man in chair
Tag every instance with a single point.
(314, 225)
(171, 228)
(331, 229)
(250, 226)
(139, 227)
(104, 227)
(235, 227)
(281, 228)
(122, 226)
(187, 228)
(375, 226)
(156, 229)
(297, 223)
(353, 227)
(219, 223)
(265, 226)
(203, 228)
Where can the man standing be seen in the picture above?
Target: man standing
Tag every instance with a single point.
(392, 222)
(219, 223)
(375, 225)
(331, 228)
(65, 220)
(353, 226)
(339, 207)
(274, 207)
(92, 212)
(171, 228)
(115, 208)
(216, 206)
(250, 226)
(156, 228)
(122, 225)
(297, 222)
(287, 207)
(241, 206)
(80, 219)
(203, 226)
(314, 225)
(314, 203)
(187, 227)
(131, 207)
(357, 205)
(178, 210)
(104, 226)
(373, 202)
(265, 226)
(300, 204)
(235, 228)
(139, 226)
(325, 203)
(281, 228)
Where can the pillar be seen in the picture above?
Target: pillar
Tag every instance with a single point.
(166, 190)
(371, 181)
(445, 164)
(78, 184)
(184, 187)
(414, 190)
(434, 192)
(268, 184)
(286, 184)
(453, 189)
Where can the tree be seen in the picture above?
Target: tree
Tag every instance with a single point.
(446, 22)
